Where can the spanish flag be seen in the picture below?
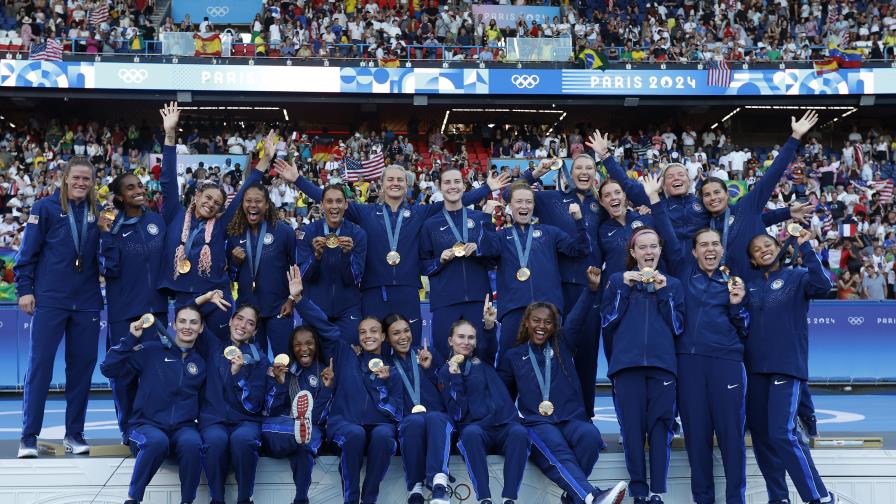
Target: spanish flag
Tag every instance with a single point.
(207, 46)
(389, 62)
(826, 66)
(593, 60)
(846, 58)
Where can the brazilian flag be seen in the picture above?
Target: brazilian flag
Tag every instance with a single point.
(137, 43)
(736, 190)
(593, 60)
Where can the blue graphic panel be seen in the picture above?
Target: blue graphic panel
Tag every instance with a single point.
(217, 11)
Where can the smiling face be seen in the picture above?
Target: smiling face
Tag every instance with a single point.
(132, 193)
(78, 182)
(333, 206)
(522, 204)
(399, 333)
(255, 204)
(452, 185)
(763, 250)
(304, 347)
(395, 185)
(209, 202)
(612, 198)
(675, 180)
(187, 327)
(646, 249)
(708, 250)
(243, 325)
(370, 335)
(583, 170)
(715, 197)
(540, 325)
(463, 339)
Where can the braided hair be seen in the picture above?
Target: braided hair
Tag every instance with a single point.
(205, 255)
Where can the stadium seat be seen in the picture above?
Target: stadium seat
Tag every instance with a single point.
(238, 50)
(4, 44)
(15, 45)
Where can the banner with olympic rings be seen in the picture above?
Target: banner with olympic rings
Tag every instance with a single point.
(217, 11)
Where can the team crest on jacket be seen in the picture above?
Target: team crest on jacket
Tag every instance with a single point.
(636, 224)
(777, 284)
(594, 206)
(91, 217)
(193, 369)
(312, 380)
(696, 206)
(730, 220)
(470, 223)
(268, 238)
(406, 213)
(536, 233)
(152, 229)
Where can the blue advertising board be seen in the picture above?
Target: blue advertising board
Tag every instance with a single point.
(217, 11)
(506, 16)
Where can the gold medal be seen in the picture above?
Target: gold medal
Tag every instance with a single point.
(648, 275)
(458, 250)
(794, 229)
(231, 352)
(147, 320)
(332, 240)
(393, 258)
(281, 359)
(523, 274)
(556, 164)
(546, 408)
(418, 408)
(109, 214)
(184, 266)
(734, 282)
(457, 359)
(374, 364)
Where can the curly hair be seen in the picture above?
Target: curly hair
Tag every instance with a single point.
(240, 223)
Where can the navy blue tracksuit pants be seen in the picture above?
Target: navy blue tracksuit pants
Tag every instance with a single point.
(151, 446)
(588, 346)
(355, 441)
(510, 327)
(443, 317)
(711, 399)
(510, 440)
(82, 335)
(403, 299)
(772, 402)
(278, 440)
(566, 453)
(226, 445)
(425, 440)
(645, 407)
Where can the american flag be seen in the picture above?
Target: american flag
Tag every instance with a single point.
(719, 74)
(99, 15)
(372, 168)
(51, 50)
(884, 188)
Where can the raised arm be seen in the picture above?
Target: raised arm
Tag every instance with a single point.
(575, 320)
(312, 315)
(493, 183)
(635, 193)
(126, 358)
(816, 284)
(171, 205)
(762, 190)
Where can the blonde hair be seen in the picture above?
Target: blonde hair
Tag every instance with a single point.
(381, 196)
(205, 255)
(674, 165)
(91, 193)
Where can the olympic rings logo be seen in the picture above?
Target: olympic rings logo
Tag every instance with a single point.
(856, 320)
(132, 76)
(460, 492)
(525, 81)
(218, 11)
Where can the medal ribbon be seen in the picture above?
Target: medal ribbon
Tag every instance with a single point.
(254, 259)
(414, 390)
(392, 236)
(81, 241)
(250, 359)
(712, 226)
(327, 229)
(193, 234)
(121, 220)
(544, 382)
(164, 335)
(457, 235)
(522, 256)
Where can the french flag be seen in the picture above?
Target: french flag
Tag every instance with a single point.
(847, 230)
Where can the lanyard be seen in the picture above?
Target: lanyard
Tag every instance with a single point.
(544, 381)
(193, 234)
(255, 259)
(338, 230)
(522, 256)
(463, 220)
(81, 241)
(467, 366)
(122, 221)
(413, 391)
(726, 218)
(392, 236)
(250, 359)
(163, 334)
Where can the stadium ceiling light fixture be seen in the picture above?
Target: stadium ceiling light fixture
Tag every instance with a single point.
(729, 116)
(798, 107)
(230, 108)
(561, 113)
(849, 112)
(285, 115)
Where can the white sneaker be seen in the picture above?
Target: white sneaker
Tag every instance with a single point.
(302, 407)
(75, 444)
(28, 447)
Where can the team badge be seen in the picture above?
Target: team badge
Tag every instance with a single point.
(777, 284)
(470, 223)
(91, 217)
(636, 224)
(268, 238)
(475, 360)
(697, 208)
(536, 233)
(312, 380)
(730, 220)
(193, 369)
(152, 229)
(406, 213)
(594, 206)
(300, 235)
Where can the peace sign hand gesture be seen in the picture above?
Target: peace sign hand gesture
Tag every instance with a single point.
(489, 313)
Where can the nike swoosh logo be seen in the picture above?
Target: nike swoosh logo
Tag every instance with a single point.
(379, 213)
(673, 206)
(733, 386)
(525, 357)
(751, 290)
(125, 234)
(170, 360)
(780, 382)
(667, 383)
(353, 317)
(611, 232)
(414, 320)
(243, 240)
(444, 227)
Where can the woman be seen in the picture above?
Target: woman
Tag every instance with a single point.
(167, 403)
(485, 414)
(366, 401)
(424, 430)
(528, 254)
(57, 282)
(131, 242)
(230, 417)
(777, 358)
(848, 285)
(539, 372)
(195, 258)
(458, 278)
(392, 272)
(262, 248)
(643, 314)
(295, 416)
(711, 377)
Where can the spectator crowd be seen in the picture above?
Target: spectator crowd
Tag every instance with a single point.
(851, 186)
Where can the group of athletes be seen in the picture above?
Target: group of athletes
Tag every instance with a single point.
(716, 333)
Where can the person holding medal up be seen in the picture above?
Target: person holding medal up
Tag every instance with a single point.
(57, 282)
(391, 282)
(777, 359)
(424, 431)
(711, 377)
(331, 254)
(195, 258)
(481, 407)
(458, 278)
(367, 400)
(262, 248)
(539, 372)
(528, 255)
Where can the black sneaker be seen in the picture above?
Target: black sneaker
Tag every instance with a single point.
(28, 447)
(655, 499)
(415, 498)
(641, 500)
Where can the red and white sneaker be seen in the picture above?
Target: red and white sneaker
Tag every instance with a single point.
(302, 406)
